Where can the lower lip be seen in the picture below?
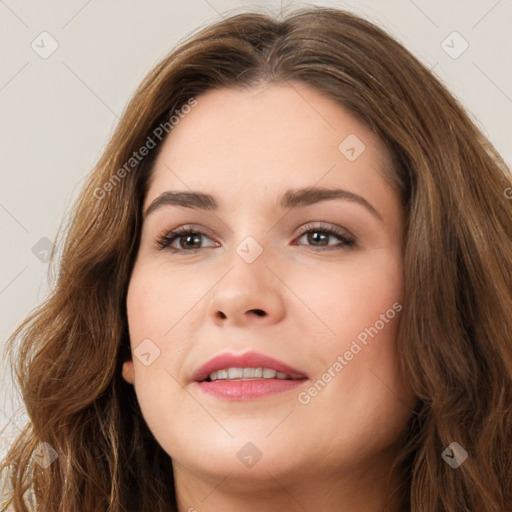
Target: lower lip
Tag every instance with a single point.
(248, 389)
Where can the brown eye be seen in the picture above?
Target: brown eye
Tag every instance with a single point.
(188, 240)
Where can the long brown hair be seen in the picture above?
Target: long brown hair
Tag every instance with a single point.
(455, 335)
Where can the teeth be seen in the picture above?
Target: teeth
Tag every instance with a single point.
(247, 373)
(235, 373)
(221, 374)
(269, 373)
(253, 372)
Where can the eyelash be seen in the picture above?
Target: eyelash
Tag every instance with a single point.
(165, 240)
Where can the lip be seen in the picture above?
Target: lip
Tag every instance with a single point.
(246, 360)
(241, 390)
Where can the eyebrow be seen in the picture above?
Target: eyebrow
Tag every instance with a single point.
(291, 199)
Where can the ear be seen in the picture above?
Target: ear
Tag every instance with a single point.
(128, 372)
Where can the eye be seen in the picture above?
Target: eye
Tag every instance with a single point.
(318, 236)
(188, 240)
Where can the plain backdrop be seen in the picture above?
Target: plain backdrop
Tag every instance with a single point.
(58, 110)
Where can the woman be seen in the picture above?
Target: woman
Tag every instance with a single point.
(286, 284)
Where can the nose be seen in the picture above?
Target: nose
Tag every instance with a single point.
(250, 293)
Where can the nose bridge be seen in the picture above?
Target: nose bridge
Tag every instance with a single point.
(250, 235)
(249, 291)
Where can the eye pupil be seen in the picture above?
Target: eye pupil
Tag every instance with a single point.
(318, 236)
(191, 238)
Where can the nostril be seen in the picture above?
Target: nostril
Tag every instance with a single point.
(259, 312)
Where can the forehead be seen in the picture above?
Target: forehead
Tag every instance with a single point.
(267, 138)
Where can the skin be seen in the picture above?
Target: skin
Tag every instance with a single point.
(247, 148)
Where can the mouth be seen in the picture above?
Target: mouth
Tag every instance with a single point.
(247, 376)
(246, 366)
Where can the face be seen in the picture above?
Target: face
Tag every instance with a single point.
(311, 279)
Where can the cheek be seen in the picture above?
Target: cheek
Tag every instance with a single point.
(156, 300)
(359, 307)
(159, 305)
(352, 296)
(147, 326)
(150, 313)
(141, 306)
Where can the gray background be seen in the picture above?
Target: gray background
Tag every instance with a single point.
(58, 112)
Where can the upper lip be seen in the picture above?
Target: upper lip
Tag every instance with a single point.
(245, 360)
